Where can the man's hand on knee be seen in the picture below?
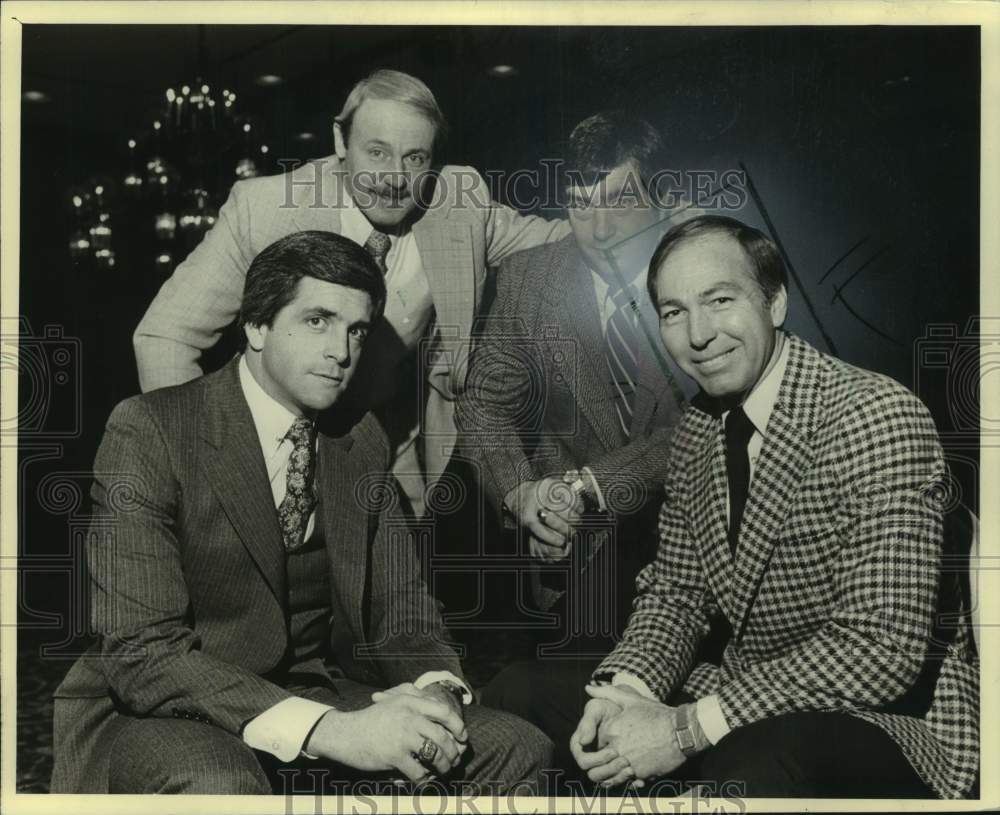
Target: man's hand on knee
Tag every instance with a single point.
(643, 734)
(589, 742)
(405, 732)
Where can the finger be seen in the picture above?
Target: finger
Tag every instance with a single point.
(546, 552)
(569, 515)
(544, 533)
(607, 771)
(622, 777)
(596, 758)
(412, 769)
(619, 696)
(442, 714)
(558, 522)
(403, 689)
(439, 764)
(447, 746)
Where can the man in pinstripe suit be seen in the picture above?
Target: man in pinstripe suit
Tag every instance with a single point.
(248, 595)
(800, 518)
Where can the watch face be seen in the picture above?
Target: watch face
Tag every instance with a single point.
(685, 740)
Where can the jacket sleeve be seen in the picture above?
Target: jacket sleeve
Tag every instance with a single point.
(670, 613)
(500, 392)
(150, 655)
(870, 651)
(197, 302)
(406, 636)
(508, 231)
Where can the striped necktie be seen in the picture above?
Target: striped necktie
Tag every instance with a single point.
(300, 497)
(621, 352)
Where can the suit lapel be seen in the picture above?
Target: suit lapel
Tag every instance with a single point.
(784, 460)
(318, 196)
(447, 257)
(234, 466)
(345, 525)
(572, 301)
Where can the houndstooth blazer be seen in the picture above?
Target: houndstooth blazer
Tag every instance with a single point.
(835, 595)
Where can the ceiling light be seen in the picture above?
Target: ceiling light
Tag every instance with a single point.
(306, 136)
(269, 80)
(503, 70)
(35, 96)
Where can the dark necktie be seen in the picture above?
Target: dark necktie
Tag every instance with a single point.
(739, 431)
(621, 352)
(377, 245)
(300, 498)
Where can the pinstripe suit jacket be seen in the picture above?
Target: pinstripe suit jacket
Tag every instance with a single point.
(835, 595)
(461, 232)
(539, 399)
(188, 577)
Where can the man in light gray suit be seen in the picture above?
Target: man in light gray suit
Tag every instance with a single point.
(249, 592)
(432, 233)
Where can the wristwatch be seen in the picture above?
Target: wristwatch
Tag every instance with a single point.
(683, 732)
(454, 689)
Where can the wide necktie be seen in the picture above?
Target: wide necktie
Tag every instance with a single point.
(739, 431)
(300, 498)
(377, 246)
(621, 352)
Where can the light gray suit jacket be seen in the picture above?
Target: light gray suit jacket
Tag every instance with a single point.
(461, 233)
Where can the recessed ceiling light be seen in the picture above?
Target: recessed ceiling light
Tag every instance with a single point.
(269, 80)
(306, 136)
(503, 70)
(35, 96)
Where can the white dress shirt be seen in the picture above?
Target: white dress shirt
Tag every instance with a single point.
(283, 728)
(409, 304)
(758, 406)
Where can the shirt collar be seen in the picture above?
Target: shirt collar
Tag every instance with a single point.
(759, 405)
(272, 420)
(601, 286)
(354, 224)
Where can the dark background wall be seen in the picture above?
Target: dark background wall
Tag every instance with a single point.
(862, 145)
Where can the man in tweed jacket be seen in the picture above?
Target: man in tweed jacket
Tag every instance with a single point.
(248, 602)
(434, 228)
(840, 675)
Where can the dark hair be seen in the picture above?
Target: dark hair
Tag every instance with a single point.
(609, 139)
(275, 273)
(768, 267)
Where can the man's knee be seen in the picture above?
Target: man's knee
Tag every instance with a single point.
(170, 757)
(508, 752)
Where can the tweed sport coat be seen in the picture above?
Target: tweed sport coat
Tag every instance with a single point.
(187, 568)
(539, 400)
(835, 594)
(461, 233)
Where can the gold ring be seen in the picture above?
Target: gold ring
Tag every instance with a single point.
(428, 752)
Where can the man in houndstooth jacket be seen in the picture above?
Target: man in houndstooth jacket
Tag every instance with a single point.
(838, 675)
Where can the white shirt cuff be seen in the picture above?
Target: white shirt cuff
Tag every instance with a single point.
(431, 677)
(282, 729)
(634, 682)
(711, 718)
